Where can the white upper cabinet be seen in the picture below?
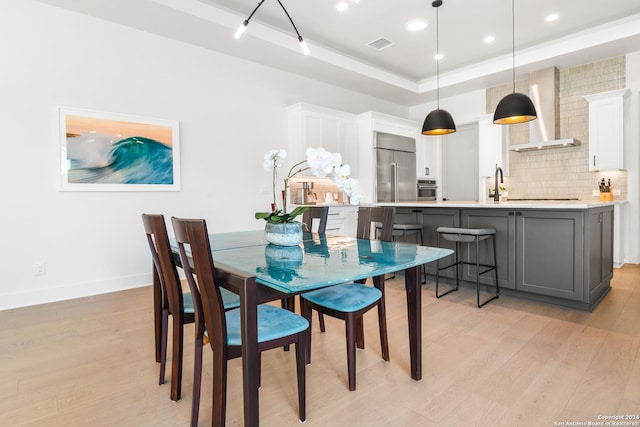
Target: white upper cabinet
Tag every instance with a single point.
(607, 129)
(427, 156)
(493, 145)
(312, 126)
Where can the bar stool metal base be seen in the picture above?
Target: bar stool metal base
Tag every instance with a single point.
(468, 235)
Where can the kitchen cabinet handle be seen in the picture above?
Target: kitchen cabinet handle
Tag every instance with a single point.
(511, 213)
(520, 213)
(594, 160)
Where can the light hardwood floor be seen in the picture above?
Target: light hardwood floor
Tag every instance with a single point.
(89, 362)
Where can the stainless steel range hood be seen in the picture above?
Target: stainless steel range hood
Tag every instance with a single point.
(544, 132)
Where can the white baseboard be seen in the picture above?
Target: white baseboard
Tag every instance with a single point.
(78, 290)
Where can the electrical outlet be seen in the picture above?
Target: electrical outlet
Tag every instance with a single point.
(595, 192)
(616, 192)
(39, 269)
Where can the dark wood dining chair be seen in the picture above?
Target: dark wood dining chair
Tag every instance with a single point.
(276, 326)
(350, 301)
(175, 302)
(314, 214)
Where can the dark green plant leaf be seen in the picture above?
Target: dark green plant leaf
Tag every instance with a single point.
(278, 217)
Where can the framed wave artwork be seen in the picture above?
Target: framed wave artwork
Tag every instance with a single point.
(115, 152)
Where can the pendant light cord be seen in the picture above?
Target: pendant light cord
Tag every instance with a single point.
(513, 44)
(438, 57)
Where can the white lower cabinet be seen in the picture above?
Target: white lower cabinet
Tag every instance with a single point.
(342, 220)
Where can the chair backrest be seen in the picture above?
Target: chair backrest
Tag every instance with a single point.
(164, 263)
(376, 223)
(207, 300)
(316, 212)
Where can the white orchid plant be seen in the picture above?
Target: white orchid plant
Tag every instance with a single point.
(322, 164)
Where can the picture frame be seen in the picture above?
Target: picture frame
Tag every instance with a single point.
(102, 151)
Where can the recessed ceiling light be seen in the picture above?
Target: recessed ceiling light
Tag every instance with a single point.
(438, 56)
(416, 25)
(489, 39)
(342, 6)
(551, 17)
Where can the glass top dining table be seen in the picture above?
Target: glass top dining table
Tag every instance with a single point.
(318, 261)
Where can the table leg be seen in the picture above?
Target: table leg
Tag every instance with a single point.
(250, 355)
(414, 309)
(157, 312)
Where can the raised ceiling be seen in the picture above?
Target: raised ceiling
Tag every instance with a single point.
(405, 71)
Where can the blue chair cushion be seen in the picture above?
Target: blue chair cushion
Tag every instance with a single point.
(187, 302)
(346, 298)
(273, 322)
(229, 299)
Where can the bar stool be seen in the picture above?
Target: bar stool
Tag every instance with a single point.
(405, 230)
(468, 235)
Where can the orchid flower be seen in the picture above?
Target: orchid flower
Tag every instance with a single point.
(322, 164)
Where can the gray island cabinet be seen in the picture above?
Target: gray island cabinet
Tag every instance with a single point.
(558, 253)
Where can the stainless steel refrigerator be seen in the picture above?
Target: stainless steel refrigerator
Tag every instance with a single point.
(396, 168)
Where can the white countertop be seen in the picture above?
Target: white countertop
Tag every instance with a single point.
(524, 204)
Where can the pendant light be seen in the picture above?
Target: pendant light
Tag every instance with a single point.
(515, 107)
(438, 122)
(245, 23)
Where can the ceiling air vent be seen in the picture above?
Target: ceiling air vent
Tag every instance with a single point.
(380, 43)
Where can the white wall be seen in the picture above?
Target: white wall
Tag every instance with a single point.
(632, 162)
(230, 112)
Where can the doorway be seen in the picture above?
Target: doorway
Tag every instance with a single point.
(460, 164)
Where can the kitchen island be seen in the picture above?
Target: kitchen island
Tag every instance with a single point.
(557, 252)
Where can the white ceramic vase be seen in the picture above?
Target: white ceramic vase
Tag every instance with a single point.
(283, 234)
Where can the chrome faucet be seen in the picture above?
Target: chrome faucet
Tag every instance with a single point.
(496, 192)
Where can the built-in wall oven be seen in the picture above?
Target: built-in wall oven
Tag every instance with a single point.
(427, 189)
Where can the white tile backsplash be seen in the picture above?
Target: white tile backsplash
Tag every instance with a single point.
(562, 172)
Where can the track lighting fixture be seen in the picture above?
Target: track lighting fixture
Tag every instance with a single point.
(245, 23)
